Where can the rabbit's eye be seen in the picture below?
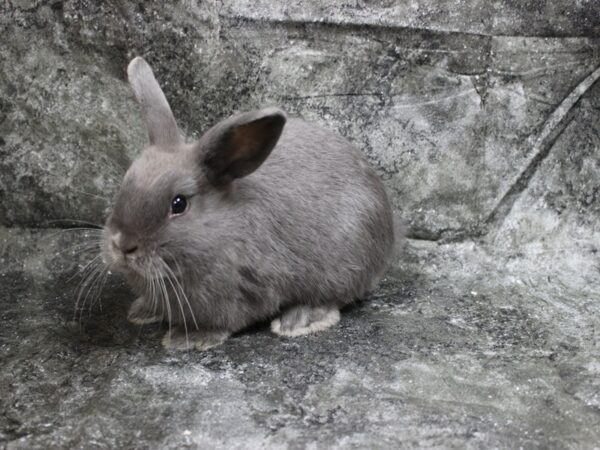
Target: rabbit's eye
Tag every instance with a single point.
(178, 204)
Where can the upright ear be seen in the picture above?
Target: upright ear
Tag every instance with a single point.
(162, 128)
(237, 146)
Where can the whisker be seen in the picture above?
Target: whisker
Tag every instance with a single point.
(82, 229)
(82, 271)
(166, 303)
(90, 286)
(147, 298)
(85, 274)
(93, 291)
(84, 235)
(178, 302)
(98, 297)
(94, 226)
(180, 286)
(155, 301)
(79, 250)
(85, 288)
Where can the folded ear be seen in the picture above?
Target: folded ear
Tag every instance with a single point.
(162, 128)
(238, 145)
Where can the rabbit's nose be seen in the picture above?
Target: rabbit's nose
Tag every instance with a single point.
(129, 250)
(125, 245)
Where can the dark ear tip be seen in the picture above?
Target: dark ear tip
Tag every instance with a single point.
(274, 112)
(275, 115)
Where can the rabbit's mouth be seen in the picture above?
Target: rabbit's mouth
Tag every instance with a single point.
(150, 268)
(126, 258)
(128, 265)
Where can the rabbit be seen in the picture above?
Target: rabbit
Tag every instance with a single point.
(264, 218)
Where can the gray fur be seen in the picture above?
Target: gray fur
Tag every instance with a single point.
(237, 146)
(162, 128)
(310, 227)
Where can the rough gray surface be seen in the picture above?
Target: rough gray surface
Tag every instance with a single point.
(443, 115)
(459, 347)
(483, 119)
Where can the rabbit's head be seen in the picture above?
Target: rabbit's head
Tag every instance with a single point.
(170, 190)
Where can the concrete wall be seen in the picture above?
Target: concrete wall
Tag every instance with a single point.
(445, 98)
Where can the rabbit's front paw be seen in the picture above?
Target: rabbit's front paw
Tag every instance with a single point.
(301, 320)
(179, 339)
(142, 312)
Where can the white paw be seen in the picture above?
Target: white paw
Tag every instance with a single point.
(328, 319)
(144, 321)
(141, 313)
(200, 340)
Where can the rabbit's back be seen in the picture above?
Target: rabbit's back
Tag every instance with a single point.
(322, 212)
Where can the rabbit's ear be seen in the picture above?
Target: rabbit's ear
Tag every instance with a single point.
(238, 145)
(162, 128)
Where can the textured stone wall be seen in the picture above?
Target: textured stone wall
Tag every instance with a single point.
(445, 98)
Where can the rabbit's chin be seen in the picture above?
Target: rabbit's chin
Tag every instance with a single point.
(145, 268)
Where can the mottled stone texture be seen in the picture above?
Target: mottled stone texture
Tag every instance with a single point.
(461, 346)
(483, 119)
(444, 115)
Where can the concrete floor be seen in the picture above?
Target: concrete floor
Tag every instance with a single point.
(458, 347)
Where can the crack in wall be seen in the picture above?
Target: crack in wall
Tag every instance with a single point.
(388, 25)
(542, 144)
(544, 141)
(302, 22)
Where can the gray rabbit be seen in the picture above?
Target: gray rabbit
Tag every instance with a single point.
(263, 218)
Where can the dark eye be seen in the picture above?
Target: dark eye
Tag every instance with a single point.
(178, 204)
